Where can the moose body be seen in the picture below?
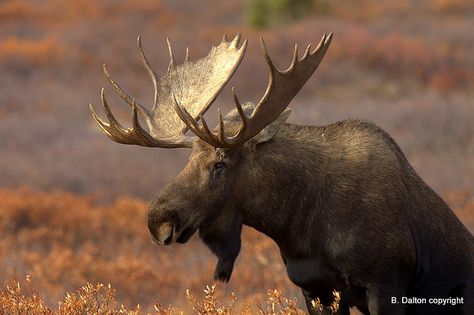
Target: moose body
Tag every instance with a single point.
(343, 204)
(345, 208)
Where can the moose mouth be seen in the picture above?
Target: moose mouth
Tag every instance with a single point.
(167, 233)
(185, 235)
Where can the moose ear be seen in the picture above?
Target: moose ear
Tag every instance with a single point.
(268, 132)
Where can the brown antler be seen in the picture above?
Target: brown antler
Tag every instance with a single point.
(282, 88)
(194, 84)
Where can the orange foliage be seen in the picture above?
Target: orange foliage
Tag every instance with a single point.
(367, 9)
(451, 6)
(401, 56)
(442, 63)
(101, 299)
(64, 241)
(13, 10)
(65, 12)
(29, 52)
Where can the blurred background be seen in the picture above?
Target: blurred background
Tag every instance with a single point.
(73, 203)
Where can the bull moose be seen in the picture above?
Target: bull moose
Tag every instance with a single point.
(341, 201)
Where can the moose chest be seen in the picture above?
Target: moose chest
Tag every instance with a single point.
(311, 273)
(317, 280)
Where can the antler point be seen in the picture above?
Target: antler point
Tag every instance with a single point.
(295, 56)
(236, 40)
(329, 38)
(170, 51)
(244, 45)
(92, 109)
(187, 55)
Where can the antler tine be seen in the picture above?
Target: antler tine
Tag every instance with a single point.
(185, 116)
(123, 95)
(220, 127)
(136, 127)
(170, 49)
(149, 70)
(283, 86)
(323, 46)
(208, 133)
(113, 129)
(203, 131)
(136, 134)
(186, 59)
(306, 52)
(267, 56)
(108, 112)
(217, 140)
(295, 58)
(240, 110)
(102, 124)
(236, 40)
(117, 87)
(321, 43)
(244, 46)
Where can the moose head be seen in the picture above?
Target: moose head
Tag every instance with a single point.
(207, 194)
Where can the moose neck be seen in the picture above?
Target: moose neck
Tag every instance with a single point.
(284, 179)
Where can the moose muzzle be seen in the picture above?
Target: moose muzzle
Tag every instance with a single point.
(163, 234)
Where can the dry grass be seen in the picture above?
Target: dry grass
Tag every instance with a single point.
(101, 299)
(65, 241)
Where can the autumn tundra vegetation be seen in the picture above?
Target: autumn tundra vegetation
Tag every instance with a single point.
(73, 206)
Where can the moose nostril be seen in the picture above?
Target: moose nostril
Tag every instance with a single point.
(162, 235)
(164, 232)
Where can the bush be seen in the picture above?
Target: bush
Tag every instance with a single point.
(265, 13)
(101, 299)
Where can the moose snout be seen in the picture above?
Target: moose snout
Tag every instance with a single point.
(161, 229)
(161, 234)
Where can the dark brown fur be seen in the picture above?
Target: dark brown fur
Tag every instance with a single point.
(343, 204)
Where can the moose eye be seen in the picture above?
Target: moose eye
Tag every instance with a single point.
(219, 166)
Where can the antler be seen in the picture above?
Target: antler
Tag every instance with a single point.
(196, 86)
(282, 88)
